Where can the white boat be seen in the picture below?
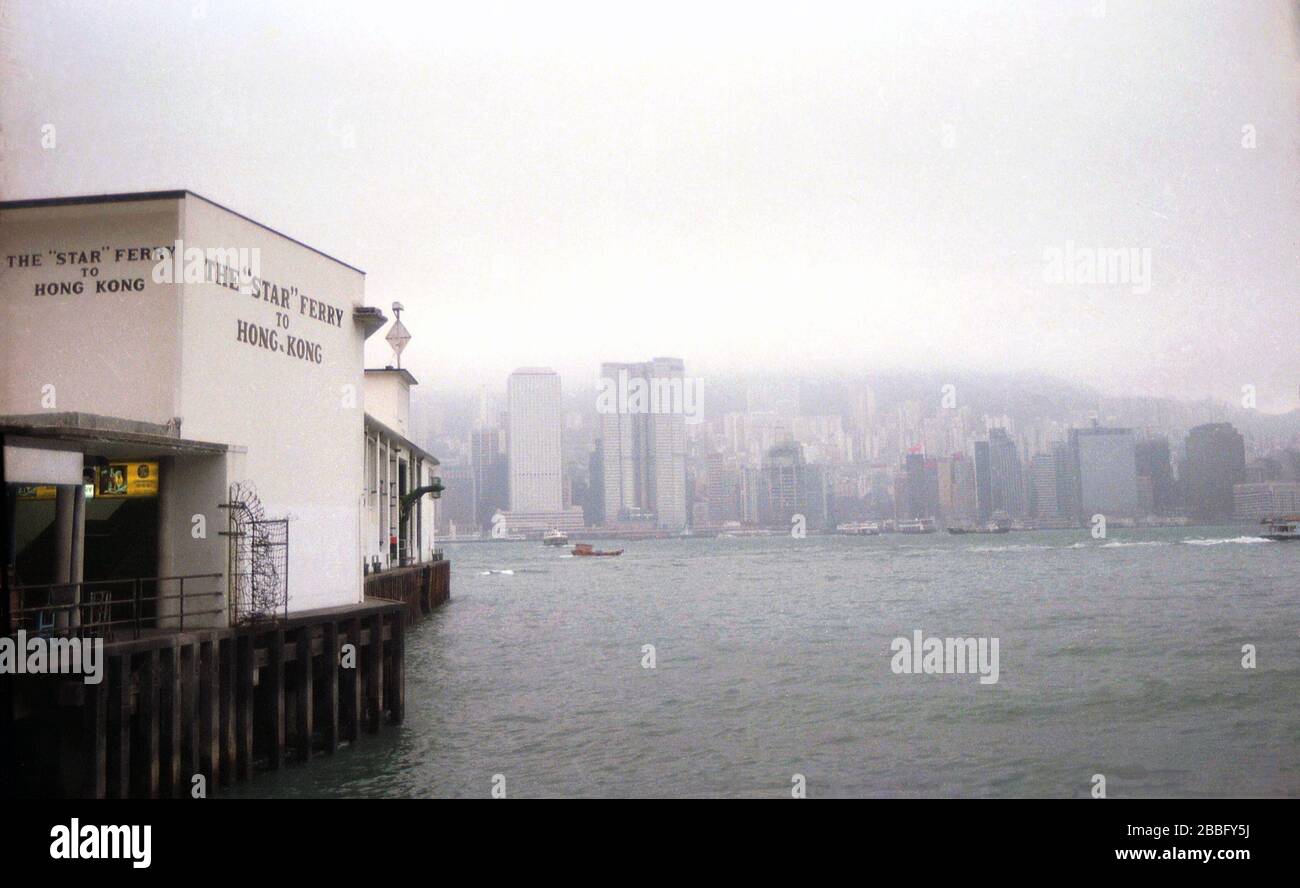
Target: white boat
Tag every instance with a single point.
(555, 537)
(918, 525)
(858, 528)
(1283, 529)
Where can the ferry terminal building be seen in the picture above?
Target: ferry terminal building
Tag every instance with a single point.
(191, 439)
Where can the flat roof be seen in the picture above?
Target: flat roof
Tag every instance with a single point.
(405, 374)
(372, 423)
(91, 430)
(158, 195)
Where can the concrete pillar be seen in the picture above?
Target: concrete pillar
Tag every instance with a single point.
(64, 505)
(77, 562)
(169, 609)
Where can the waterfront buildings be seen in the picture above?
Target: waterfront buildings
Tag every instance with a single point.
(535, 460)
(1254, 501)
(1215, 461)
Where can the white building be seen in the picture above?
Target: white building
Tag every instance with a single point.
(159, 351)
(1258, 500)
(643, 442)
(534, 456)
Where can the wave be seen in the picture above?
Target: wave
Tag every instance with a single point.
(1242, 540)
(502, 573)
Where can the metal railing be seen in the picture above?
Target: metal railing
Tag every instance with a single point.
(101, 608)
(375, 565)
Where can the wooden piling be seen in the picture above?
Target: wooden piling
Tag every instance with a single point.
(397, 671)
(119, 726)
(273, 675)
(303, 681)
(190, 737)
(222, 703)
(329, 715)
(95, 732)
(351, 700)
(169, 721)
(374, 655)
(146, 766)
(246, 671)
(228, 719)
(209, 712)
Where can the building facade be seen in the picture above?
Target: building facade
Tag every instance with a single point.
(170, 368)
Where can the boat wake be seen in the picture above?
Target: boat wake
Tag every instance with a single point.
(1241, 540)
(497, 573)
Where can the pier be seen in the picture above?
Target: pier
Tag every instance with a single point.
(219, 704)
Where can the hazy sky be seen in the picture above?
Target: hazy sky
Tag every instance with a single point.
(749, 186)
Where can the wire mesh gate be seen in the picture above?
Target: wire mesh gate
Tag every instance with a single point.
(259, 560)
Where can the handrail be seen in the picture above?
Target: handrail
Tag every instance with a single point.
(80, 615)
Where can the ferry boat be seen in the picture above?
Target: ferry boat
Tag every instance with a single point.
(584, 550)
(919, 525)
(858, 528)
(1285, 528)
(555, 537)
(991, 527)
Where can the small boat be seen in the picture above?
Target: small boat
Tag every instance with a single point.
(555, 537)
(584, 550)
(1284, 529)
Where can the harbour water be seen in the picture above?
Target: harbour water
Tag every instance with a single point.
(1121, 657)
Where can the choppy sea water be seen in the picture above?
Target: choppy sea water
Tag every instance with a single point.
(1120, 657)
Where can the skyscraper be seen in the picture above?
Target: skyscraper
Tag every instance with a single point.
(1153, 464)
(1216, 460)
(1106, 467)
(999, 476)
(643, 440)
(533, 394)
(491, 482)
(1042, 488)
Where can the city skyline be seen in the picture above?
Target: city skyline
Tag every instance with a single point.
(767, 451)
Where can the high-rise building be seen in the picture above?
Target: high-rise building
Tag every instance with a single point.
(454, 512)
(593, 511)
(1215, 461)
(921, 485)
(1106, 467)
(724, 494)
(491, 480)
(533, 394)
(999, 477)
(783, 485)
(965, 496)
(1067, 483)
(983, 486)
(1153, 464)
(1042, 488)
(644, 442)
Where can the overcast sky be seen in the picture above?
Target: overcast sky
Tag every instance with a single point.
(750, 187)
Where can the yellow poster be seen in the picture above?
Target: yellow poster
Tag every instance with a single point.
(128, 479)
(37, 492)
